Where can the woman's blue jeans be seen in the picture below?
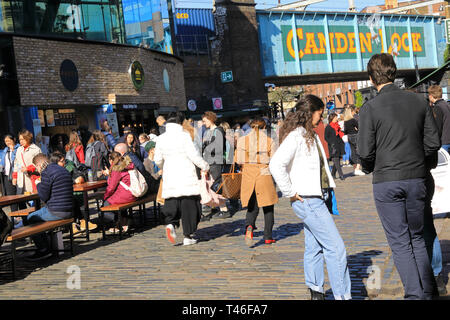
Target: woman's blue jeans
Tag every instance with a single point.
(322, 241)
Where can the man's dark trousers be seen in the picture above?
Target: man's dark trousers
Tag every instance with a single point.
(401, 207)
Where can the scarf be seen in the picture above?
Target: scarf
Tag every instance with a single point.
(337, 128)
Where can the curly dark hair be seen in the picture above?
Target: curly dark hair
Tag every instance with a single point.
(301, 116)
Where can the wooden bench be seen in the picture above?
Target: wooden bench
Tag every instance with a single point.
(118, 209)
(22, 213)
(35, 229)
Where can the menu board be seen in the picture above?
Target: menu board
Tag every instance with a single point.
(66, 117)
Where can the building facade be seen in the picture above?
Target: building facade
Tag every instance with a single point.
(340, 93)
(66, 64)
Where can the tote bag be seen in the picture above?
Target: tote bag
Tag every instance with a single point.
(231, 183)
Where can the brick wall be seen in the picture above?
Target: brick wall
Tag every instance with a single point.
(102, 70)
(234, 48)
(339, 92)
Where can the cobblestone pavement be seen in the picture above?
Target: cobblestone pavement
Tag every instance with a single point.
(221, 266)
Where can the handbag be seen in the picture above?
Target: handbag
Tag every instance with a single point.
(330, 201)
(231, 183)
(208, 196)
(159, 198)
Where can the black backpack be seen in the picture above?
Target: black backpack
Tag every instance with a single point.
(6, 226)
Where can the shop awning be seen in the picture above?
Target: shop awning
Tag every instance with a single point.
(444, 67)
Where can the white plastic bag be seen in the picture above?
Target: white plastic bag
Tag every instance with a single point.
(208, 196)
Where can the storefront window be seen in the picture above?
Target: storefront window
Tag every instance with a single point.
(83, 19)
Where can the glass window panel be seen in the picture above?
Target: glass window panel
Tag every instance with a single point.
(121, 21)
(94, 22)
(147, 22)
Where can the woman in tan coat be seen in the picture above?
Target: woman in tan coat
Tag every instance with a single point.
(257, 190)
(24, 161)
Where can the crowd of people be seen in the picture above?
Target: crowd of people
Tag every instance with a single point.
(395, 137)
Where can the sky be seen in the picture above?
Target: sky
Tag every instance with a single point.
(330, 5)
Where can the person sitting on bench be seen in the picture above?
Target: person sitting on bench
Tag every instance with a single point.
(116, 193)
(55, 188)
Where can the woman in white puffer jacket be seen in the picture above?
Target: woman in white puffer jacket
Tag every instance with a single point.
(176, 155)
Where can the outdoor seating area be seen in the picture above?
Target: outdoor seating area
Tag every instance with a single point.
(17, 241)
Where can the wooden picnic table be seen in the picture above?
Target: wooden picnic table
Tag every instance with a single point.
(19, 198)
(85, 188)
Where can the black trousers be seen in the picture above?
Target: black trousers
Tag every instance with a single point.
(188, 209)
(353, 141)
(429, 230)
(252, 214)
(337, 167)
(401, 208)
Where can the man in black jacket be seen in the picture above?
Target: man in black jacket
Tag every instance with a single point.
(397, 136)
(55, 188)
(441, 111)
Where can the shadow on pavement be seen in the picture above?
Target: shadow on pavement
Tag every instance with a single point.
(25, 267)
(231, 229)
(358, 266)
(282, 232)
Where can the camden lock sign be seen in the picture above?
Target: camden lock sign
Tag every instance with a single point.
(137, 76)
(312, 43)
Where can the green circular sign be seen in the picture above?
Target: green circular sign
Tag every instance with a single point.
(136, 72)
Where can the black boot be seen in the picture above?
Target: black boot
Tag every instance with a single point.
(316, 295)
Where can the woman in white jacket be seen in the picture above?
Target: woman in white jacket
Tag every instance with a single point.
(301, 171)
(176, 155)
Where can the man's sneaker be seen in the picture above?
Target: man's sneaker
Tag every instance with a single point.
(359, 173)
(170, 232)
(441, 285)
(189, 241)
(40, 255)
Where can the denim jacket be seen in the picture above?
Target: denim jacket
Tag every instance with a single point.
(3, 154)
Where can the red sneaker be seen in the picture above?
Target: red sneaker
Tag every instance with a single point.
(170, 232)
(269, 241)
